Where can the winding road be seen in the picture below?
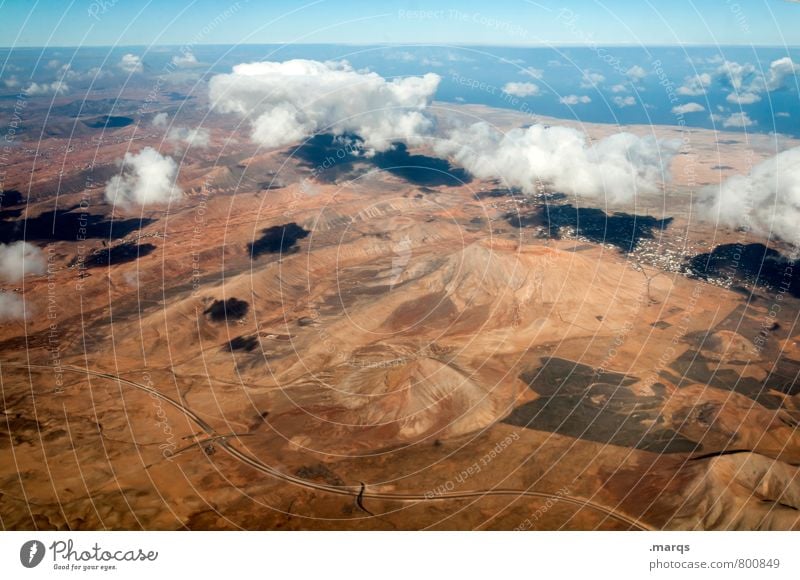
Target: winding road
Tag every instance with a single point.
(359, 492)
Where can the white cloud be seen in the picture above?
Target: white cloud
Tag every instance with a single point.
(521, 89)
(67, 73)
(696, 85)
(622, 102)
(574, 100)
(160, 120)
(636, 73)
(619, 89)
(736, 73)
(615, 168)
(12, 307)
(54, 88)
(748, 83)
(779, 71)
(145, 178)
(289, 101)
(739, 120)
(688, 108)
(437, 58)
(96, 73)
(782, 114)
(455, 57)
(591, 79)
(18, 259)
(185, 59)
(403, 56)
(426, 61)
(742, 98)
(11, 82)
(716, 59)
(198, 138)
(130, 63)
(532, 72)
(767, 200)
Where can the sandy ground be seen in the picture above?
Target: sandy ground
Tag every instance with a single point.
(413, 355)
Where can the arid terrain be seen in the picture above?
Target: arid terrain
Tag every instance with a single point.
(311, 338)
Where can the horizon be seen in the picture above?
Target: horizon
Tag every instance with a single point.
(100, 23)
(619, 84)
(405, 44)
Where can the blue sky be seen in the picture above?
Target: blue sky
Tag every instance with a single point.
(499, 22)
